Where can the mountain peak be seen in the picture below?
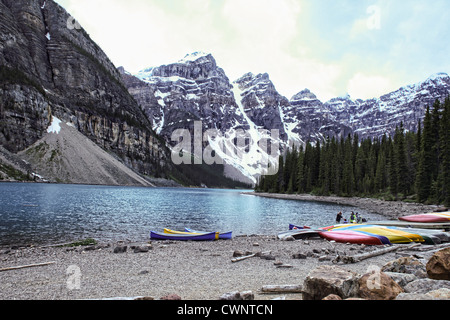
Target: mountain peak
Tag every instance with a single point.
(190, 57)
(440, 76)
(305, 94)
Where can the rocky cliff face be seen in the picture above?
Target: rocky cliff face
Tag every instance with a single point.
(173, 96)
(49, 67)
(195, 89)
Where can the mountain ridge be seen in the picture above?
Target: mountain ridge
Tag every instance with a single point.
(199, 87)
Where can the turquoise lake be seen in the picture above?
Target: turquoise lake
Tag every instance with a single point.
(53, 213)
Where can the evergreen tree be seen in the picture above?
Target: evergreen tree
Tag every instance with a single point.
(300, 184)
(348, 180)
(400, 159)
(445, 153)
(392, 168)
(425, 170)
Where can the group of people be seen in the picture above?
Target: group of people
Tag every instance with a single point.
(354, 218)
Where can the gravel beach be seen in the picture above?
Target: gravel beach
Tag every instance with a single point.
(191, 270)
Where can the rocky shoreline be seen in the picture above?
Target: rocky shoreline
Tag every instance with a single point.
(390, 209)
(200, 270)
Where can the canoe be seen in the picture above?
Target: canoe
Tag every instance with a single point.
(219, 235)
(183, 237)
(407, 224)
(429, 236)
(428, 217)
(299, 234)
(294, 227)
(394, 235)
(350, 236)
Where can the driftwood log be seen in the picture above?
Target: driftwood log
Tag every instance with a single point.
(249, 256)
(364, 256)
(290, 288)
(28, 266)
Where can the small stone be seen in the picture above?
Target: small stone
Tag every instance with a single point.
(139, 249)
(171, 297)
(267, 257)
(120, 249)
(299, 256)
(235, 295)
(247, 295)
(332, 297)
(238, 253)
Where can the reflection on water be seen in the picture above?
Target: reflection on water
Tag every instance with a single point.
(50, 213)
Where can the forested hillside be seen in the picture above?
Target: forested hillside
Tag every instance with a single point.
(407, 165)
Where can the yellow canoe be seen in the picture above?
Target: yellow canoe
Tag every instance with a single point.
(169, 231)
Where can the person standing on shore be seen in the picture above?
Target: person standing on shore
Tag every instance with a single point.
(352, 217)
(339, 217)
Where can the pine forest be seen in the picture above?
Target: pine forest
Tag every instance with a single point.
(410, 166)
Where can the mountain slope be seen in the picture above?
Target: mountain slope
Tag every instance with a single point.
(65, 155)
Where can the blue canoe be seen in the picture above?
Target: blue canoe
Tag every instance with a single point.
(183, 237)
(294, 227)
(222, 235)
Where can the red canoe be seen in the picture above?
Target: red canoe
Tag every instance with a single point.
(348, 236)
(427, 217)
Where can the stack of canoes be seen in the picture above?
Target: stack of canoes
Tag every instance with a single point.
(189, 235)
(373, 234)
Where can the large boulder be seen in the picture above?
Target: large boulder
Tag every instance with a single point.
(378, 286)
(326, 280)
(438, 267)
(426, 285)
(409, 265)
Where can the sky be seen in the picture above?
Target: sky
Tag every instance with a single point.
(365, 48)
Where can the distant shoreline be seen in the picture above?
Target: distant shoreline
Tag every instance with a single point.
(389, 209)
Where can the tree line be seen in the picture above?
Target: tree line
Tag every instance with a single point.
(405, 165)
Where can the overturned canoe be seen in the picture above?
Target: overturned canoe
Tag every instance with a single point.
(351, 236)
(294, 227)
(183, 237)
(299, 234)
(219, 235)
(408, 224)
(428, 217)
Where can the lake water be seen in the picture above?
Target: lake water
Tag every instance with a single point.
(51, 213)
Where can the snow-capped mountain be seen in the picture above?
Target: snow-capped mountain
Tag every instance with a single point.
(196, 90)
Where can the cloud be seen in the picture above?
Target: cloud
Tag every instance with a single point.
(330, 47)
(362, 86)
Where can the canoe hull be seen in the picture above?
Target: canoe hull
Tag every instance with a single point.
(393, 234)
(219, 235)
(294, 227)
(299, 234)
(428, 217)
(348, 236)
(418, 225)
(183, 237)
